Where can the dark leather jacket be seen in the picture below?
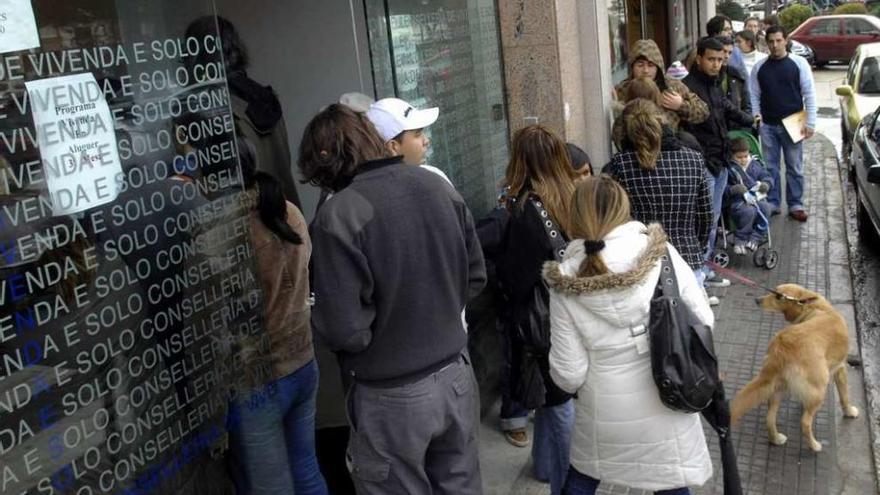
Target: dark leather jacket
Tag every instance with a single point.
(737, 93)
(712, 133)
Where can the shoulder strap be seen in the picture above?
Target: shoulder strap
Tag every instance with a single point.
(668, 281)
(553, 233)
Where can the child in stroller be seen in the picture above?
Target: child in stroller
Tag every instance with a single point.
(748, 185)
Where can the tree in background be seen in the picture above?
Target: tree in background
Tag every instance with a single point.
(851, 8)
(731, 9)
(792, 16)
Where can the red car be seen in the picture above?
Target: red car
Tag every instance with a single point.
(835, 37)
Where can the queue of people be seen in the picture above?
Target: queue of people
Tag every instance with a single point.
(384, 273)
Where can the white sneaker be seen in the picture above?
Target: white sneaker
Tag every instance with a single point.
(717, 281)
(752, 245)
(714, 301)
(739, 249)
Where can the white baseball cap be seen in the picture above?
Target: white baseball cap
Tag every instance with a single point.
(391, 116)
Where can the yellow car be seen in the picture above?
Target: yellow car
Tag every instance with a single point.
(860, 93)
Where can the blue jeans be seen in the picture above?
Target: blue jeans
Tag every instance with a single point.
(776, 143)
(581, 484)
(746, 218)
(717, 185)
(513, 415)
(552, 442)
(273, 434)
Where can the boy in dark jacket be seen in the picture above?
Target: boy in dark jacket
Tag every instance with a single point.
(747, 176)
(703, 80)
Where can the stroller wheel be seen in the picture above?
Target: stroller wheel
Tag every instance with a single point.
(772, 260)
(721, 258)
(760, 257)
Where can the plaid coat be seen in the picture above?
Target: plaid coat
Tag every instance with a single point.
(675, 194)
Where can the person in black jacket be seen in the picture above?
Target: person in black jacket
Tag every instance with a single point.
(704, 81)
(540, 183)
(734, 83)
(395, 260)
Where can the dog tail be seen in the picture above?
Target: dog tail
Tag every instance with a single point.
(759, 390)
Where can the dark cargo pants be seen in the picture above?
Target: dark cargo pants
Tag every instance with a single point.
(419, 438)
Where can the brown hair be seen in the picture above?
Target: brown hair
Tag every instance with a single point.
(334, 144)
(644, 129)
(600, 205)
(739, 145)
(643, 87)
(539, 163)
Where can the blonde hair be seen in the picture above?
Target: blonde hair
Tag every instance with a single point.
(644, 128)
(600, 205)
(539, 163)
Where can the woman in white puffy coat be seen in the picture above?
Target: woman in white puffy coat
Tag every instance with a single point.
(600, 297)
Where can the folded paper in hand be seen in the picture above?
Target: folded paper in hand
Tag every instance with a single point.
(795, 125)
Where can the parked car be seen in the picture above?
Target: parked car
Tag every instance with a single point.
(835, 37)
(860, 92)
(865, 159)
(802, 50)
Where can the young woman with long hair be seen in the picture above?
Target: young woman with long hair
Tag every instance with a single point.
(540, 180)
(274, 441)
(665, 181)
(599, 299)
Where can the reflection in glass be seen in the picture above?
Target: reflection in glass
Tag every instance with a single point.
(121, 324)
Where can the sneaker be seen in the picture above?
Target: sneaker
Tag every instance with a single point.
(739, 249)
(752, 245)
(799, 215)
(716, 281)
(518, 437)
(776, 211)
(714, 301)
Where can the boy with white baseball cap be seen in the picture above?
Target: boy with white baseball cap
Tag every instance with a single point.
(401, 127)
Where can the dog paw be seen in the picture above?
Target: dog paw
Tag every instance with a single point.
(851, 412)
(815, 446)
(780, 439)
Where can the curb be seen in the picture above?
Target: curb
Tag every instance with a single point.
(869, 371)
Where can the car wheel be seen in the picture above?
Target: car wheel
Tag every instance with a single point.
(868, 235)
(819, 63)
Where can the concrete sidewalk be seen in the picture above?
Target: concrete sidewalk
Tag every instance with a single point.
(815, 255)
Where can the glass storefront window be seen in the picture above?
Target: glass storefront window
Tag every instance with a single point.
(446, 54)
(617, 33)
(129, 306)
(681, 25)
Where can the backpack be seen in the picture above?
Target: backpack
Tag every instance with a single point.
(685, 366)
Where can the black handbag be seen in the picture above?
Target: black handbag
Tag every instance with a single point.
(682, 352)
(532, 326)
(685, 366)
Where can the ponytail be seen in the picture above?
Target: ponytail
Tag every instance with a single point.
(599, 206)
(271, 205)
(644, 130)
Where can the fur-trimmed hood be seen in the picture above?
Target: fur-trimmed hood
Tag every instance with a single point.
(618, 253)
(622, 297)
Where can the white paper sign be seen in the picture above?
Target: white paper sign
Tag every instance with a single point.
(18, 28)
(77, 142)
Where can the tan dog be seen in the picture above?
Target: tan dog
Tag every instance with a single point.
(801, 359)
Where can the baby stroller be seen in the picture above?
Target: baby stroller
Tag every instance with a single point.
(764, 256)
